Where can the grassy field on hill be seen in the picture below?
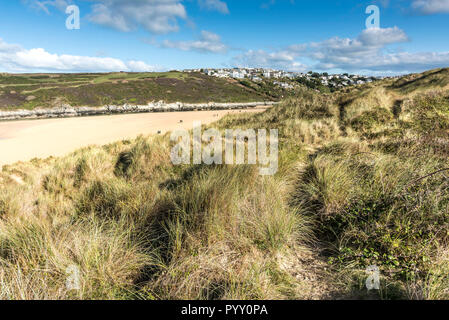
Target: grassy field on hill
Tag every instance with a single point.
(29, 91)
(362, 181)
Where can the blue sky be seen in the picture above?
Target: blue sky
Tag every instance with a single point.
(296, 35)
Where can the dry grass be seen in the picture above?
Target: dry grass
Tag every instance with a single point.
(361, 181)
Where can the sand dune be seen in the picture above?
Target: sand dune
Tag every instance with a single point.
(25, 140)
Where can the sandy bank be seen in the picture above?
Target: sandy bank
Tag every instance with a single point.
(67, 111)
(25, 140)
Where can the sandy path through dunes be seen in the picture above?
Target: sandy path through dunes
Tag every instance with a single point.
(25, 140)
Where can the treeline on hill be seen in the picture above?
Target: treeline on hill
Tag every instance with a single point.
(363, 181)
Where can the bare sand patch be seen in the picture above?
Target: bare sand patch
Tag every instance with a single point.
(28, 139)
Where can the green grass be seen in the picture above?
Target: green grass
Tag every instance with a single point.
(138, 76)
(362, 181)
(437, 78)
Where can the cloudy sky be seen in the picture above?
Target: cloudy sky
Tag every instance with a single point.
(295, 35)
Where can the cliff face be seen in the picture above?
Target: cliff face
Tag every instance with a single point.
(69, 111)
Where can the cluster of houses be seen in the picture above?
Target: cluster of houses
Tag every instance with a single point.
(284, 85)
(260, 74)
(254, 74)
(342, 80)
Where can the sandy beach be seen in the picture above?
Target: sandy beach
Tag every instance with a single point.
(28, 139)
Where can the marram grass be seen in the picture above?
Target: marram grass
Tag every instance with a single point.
(363, 180)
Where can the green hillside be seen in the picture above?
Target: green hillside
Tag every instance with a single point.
(28, 91)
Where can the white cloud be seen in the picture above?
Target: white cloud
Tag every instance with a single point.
(410, 61)
(354, 53)
(214, 5)
(45, 4)
(400, 62)
(139, 66)
(365, 53)
(379, 37)
(269, 3)
(262, 59)
(14, 58)
(208, 42)
(431, 6)
(156, 16)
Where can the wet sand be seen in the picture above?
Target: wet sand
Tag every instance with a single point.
(28, 139)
